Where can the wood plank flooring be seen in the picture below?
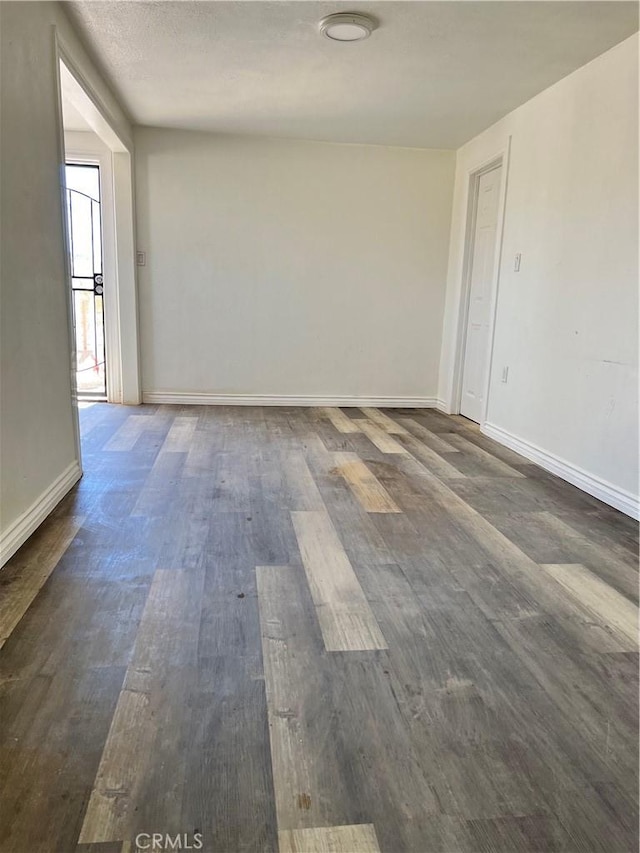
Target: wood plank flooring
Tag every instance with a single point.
(318, 631)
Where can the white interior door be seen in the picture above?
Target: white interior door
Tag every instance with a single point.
(476, 352)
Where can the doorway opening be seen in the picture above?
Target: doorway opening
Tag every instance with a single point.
(97, 191)
(84, 224)
(487, 191)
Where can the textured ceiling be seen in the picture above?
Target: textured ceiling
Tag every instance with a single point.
(433, 75)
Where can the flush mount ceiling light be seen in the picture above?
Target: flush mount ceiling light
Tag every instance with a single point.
(347, 26)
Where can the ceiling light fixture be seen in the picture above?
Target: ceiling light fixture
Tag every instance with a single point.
(347, 26)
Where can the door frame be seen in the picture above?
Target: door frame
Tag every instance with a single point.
(91, 152)
(123, 361)
(499, 158)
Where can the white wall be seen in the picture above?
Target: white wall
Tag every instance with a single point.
(38, 447)
(567, 323)
(290, 268)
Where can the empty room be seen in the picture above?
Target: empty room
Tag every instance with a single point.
(319, 426)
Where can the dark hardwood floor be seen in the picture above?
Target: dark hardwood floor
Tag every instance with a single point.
(318, 630)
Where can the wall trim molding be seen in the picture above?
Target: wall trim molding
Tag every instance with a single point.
(621, 499)
(187, 398)
(21, 529)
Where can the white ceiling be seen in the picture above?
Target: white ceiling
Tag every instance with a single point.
(433, 75)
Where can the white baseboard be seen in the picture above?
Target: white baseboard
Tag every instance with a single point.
(21, 529)
(621, 499)
(442, 406)
(195, 399)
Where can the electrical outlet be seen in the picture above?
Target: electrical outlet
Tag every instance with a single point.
(141, 259)
(516, 263)
(505, 374)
